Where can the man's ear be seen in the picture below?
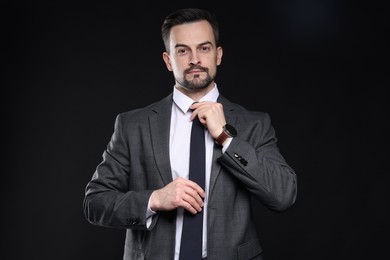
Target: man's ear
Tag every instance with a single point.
(167, 60)
(219, 55)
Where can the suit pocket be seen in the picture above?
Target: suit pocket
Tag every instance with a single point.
(250, 249)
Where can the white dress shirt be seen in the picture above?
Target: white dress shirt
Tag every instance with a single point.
(179, 154)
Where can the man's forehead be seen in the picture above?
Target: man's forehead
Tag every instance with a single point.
(195, 33)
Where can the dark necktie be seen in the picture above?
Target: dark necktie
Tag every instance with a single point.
(191, 240)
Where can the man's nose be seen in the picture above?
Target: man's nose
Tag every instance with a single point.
(194, 59)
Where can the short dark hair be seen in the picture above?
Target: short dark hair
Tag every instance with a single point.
(188, 15)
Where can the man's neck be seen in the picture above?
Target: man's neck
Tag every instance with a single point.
(196, 94)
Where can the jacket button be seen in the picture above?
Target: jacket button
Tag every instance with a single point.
(241, 160)
(132, 221)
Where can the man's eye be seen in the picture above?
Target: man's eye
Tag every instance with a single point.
(181, 51)
(205, 48)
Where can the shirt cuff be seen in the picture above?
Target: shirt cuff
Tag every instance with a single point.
(226, 145)
(149, 215)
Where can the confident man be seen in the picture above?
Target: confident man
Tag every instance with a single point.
(143, 183)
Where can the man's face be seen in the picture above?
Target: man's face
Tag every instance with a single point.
(193, 56)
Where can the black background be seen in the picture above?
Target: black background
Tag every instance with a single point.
(319, 68)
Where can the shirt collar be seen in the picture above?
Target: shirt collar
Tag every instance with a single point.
(184, 102)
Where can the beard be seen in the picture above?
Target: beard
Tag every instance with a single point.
(196, 83)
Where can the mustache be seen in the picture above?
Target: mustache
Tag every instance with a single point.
(196, 68)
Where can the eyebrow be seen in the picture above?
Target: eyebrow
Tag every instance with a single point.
(200, 44)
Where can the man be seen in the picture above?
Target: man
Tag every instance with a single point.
(143, 182)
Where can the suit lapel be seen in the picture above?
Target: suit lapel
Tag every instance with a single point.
(159, 121)
(215, 167)
(217, 152)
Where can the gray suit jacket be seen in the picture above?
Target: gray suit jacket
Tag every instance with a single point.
(136, 162)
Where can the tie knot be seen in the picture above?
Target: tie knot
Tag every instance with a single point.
(190, 109)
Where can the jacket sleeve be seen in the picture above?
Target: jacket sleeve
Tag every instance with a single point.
(255, 160)
(108, 199)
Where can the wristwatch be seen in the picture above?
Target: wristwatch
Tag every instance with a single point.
(228, 131)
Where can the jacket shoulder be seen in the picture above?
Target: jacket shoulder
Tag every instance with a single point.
(243, 112)
(141, 114)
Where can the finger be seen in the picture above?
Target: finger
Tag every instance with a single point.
(190, 187)
(195, 188)
(198, 106)
(194, 114)
(202, 118)
(191, 204)
(189, 208)
(194, 198)
(195, 105)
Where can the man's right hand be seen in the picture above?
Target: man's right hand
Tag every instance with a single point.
(179, 193)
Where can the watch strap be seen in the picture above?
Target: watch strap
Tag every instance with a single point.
(222, 138)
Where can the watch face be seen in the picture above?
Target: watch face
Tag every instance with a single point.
(230, 130)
